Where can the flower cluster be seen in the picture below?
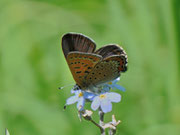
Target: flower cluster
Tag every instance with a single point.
(102, 100)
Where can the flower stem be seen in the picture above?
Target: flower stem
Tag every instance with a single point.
(112, 131)
(87, 115)
(101, 121)
(96, 124)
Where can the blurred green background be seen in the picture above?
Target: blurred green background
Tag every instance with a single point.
(32, 65)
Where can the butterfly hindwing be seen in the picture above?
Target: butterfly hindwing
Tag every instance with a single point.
(107, 70)
(81, 64)
(110, 50)
(121, 59)
(77, 42)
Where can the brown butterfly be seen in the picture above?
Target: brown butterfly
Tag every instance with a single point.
(92, 68)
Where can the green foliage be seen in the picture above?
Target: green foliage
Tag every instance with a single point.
(32, 65)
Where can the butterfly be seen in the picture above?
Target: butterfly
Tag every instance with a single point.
(90, 67)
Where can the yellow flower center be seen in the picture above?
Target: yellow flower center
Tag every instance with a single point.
(102, 96)
(80, 94)
(110, 83)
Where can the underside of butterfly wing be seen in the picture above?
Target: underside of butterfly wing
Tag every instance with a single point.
(81, 64)
(110, 50)
(103, 72)
(122, 61)
(77, 42)
(107, 70)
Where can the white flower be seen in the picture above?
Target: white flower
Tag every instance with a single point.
(104, 101)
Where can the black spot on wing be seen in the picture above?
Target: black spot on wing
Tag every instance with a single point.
(86, 71)
(78, 72)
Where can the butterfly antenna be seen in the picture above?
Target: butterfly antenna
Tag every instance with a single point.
(60, 88)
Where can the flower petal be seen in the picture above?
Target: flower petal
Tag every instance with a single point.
(80, 104)
(72, 91)
(106, 87)
(116, 80)
(95, 103)
(118, 87)
(71, 100)
(106, 105)
(88, 95)
(77, 92)
(113, 97)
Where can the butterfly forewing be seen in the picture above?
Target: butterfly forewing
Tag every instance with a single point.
(81, 64)
(77, 42)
